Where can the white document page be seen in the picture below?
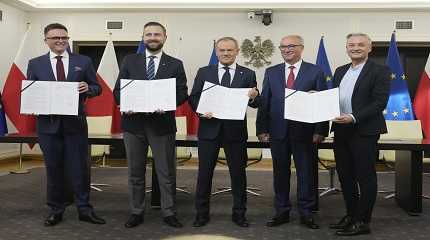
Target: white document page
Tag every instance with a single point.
(311, 107)
(65, 98)
(148, 95)
(49, 97)
(223, 102)
(35, 97)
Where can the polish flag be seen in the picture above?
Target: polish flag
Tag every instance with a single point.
(104, 104)
(11, 96)
(185, 108)
(422, 100)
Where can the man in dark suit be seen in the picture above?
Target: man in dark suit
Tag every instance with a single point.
(64, 139)
(157, 130)
(363, 89)
(291, 137)
(214, 133)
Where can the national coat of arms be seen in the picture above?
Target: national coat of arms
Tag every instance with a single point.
(258, 52)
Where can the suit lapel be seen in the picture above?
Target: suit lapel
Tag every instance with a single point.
(342, 73)
(47, 62)
(72, 65)
(162, 67)
(363, 73)
(300, 78)
(281, 76)
(213, 74)
(141, 64)
(238, 74)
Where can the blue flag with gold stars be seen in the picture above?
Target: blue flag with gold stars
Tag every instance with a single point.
(322, 62)
(214, 59)
(399, 105)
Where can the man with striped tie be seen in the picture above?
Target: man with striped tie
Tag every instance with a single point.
(156, 130)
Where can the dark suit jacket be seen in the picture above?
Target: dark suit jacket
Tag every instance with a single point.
(270, 116)
(80, 70)
(210, 128)
(369, 98)
(134, 67)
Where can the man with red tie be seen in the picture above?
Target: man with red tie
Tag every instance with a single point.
(64, 139)
(291, 137)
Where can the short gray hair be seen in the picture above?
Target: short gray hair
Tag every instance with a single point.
(359, 35)
(227, 39)
(298, 37)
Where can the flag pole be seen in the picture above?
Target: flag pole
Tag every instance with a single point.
(20, 169)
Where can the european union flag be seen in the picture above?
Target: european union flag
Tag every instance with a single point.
(3, 126)
(323, 63)
(141, 48)
(214, 59)
(399, 105)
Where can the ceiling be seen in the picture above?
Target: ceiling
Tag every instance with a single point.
(37, 5)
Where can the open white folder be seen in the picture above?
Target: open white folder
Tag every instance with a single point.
(222, 102)
(49, 97)
(311, 107)
(148, 95)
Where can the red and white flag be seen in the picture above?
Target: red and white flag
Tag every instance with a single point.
(11, 95)
(422, 100)
(185, 108)
(104, 104)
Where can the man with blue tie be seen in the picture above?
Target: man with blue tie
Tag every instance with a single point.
(215, 133)
(288, 137)
(64, 139)
(157, 130)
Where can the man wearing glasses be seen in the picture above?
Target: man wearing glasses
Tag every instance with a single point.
(64, 139)
(289, 137)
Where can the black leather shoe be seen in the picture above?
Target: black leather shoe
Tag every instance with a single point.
(53, 219)
(173, 222)
(342, 224)
(91, 218)
(134, 220)
(201, 220)
(357, 228)
(240, 220)
(278, 220)
(309, 222)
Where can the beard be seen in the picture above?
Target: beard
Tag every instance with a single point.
(156, 48)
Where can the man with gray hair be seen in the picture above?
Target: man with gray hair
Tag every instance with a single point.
(289, 137)
(215, 133)
(363, 90)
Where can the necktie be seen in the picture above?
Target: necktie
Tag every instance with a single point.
(225, 81)
(290, 80)
(61, 76)
(150, 71)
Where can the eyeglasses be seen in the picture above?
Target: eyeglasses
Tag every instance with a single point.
(289, 47)
(58, 38)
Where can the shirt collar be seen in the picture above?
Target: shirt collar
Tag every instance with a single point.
(52, 55)
(296, 65)
(231, 66)
(358, 67)
(158, 55)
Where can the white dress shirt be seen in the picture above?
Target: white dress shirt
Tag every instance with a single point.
(295, 70)
(221, 71)
(156, 59)
(65, 58)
